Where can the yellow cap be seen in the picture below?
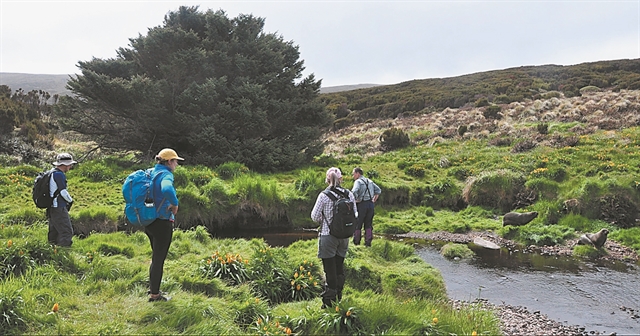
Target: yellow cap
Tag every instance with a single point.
(168, 154)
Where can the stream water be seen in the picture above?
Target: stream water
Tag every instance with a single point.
(565, 289)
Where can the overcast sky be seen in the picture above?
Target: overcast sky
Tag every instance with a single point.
(343, 42)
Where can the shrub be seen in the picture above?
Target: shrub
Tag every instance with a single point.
(462, 129)
(305, 281)
(482, 102)
(416, 170)
(492, 112)
(228, 267)
(394, 138)
(343, 319)
(452, 250)
(543, 128)
(589, 89)
(524, 145)
(494, 189)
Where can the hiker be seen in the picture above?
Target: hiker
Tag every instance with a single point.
(331, 250)
(60, 229)
(366, 193)
(160, 231)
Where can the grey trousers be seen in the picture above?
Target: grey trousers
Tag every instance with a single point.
(60, 229)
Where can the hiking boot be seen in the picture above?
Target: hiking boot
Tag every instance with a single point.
(159, 298)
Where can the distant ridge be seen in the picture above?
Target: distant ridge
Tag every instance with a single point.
(341, 88)
(54, 84)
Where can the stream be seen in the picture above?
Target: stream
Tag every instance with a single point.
(565, 289)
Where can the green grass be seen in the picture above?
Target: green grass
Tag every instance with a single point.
(99, 287)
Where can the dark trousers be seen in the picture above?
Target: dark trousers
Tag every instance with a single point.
(160, 233)
(334, 275)
(365, 218)
(60, 229)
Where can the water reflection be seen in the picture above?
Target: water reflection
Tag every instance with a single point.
(274, 239)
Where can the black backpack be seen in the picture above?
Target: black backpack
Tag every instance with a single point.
(343, 224)
(40, 192)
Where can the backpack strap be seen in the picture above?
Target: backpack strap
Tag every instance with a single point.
(57, 192)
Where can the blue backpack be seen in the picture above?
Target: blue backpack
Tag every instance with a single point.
(137, 190)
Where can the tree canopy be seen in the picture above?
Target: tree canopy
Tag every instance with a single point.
(213, 88)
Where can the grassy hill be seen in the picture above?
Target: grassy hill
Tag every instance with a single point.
(484, 88)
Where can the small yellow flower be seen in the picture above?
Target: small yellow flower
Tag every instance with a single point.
(315, 283)
(298, 287)
(9, 243)
(309, 273)
(337, 309)
(301, 268)
(433, 312)
(292, 282)
(259, 320)
(288, 331)
(305, 261)
(348, 313)
(474, 333)
(435, 320)
(208, 261)
(257, 300)
(277, 324)
(295, 275)
(55, 308)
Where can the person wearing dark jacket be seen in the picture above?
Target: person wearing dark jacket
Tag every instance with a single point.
(60, 229)
(160, 231)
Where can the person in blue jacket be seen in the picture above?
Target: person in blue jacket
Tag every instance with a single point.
(160, 231)
(60, 229)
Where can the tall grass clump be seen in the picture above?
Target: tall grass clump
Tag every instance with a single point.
(231, 169)
(494, 189)
(309, 182)
(452, 251)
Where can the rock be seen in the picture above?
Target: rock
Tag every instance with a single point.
(485, 243)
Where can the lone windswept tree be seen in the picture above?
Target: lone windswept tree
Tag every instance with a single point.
(215, 89)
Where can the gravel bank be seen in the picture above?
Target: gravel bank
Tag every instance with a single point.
(518, 321)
